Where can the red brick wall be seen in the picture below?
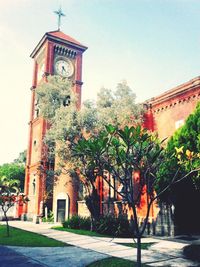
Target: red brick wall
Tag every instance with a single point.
(172, 108)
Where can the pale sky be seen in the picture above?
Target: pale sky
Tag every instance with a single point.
(153, 44)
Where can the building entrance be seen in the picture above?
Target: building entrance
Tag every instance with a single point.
(61, 210)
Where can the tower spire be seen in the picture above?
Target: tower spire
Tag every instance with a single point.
(60, 14)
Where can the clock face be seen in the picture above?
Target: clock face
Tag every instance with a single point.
(64, 68)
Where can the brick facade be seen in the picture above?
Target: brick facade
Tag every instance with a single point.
(53, 44)
(163, 114)
(167, 112)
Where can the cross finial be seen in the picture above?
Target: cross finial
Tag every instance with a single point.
(60, 14)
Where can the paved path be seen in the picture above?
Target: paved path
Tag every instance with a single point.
(61, 256)
(88, 249)
(11, 258)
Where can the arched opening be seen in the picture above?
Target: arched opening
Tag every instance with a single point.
(34, 186)
(62, 211)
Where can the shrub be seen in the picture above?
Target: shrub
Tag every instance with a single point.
(50, 217)
(85, 223)
(66, 224)
(73, 222)
(192, 252)
(124, 229)
(77, 222)
(107, 225)
(110, 225)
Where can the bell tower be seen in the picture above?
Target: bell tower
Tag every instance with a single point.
(60, 54)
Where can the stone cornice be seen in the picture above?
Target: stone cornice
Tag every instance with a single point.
(177, 92)
(171, 104)
(57, 40)
(187, 92)
(63, 51)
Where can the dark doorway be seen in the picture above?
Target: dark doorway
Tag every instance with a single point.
(187, 199)
(61, 209)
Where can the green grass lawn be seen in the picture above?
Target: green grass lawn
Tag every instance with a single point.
(79, 231)
(26, 239)
(114, 262)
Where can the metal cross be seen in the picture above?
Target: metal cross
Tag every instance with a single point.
(60, 14)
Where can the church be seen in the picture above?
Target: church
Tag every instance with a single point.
(60, 54)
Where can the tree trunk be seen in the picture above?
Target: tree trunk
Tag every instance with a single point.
(92, 225)
(138, 252)
(7, 226)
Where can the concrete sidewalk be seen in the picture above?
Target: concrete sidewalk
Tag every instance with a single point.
(88, 249)
(10, 258)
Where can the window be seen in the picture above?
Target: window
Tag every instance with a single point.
(35, 145)
(36, 109)
(34, 187)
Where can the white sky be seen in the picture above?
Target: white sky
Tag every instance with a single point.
(153, 44)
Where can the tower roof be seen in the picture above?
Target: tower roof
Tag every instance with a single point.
(58, 37)
(63, 36)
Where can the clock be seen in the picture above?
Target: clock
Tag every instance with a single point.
(64, 68)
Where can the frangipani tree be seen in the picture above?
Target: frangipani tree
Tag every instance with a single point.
(123, 153)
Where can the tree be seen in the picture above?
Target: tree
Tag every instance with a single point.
(13, 171)
(186, 141)
(118, 107)
(69, 124)
(56, 102)
(9, 195)
(21, 158)
(86, 155)
(122, 152)
(125, 153)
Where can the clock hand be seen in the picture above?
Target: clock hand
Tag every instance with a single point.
(63, 69)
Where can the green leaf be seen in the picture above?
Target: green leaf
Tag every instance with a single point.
(110, 128)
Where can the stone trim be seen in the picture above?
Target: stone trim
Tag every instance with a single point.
(176, 102)
(61, 50)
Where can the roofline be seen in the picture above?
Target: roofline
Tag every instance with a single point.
(57, 39)
(178, 90)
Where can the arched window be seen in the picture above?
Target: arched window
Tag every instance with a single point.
(36, 109)
(34, 186)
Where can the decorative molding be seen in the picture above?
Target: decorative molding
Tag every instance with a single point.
(176, 102)
(32, 88)
(59, 40)
(61, 50)
(45, 74)
(176, 91)
(78, 82)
